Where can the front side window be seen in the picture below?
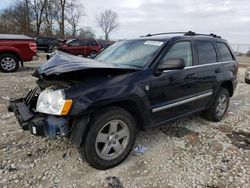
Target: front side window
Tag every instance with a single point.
(130, 52)
(74, 43)
(206, 52)
(225, 52)
(181, 50)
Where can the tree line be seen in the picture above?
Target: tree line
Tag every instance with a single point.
(58, 18)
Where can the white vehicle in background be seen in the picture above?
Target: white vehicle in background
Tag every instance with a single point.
(247, 75)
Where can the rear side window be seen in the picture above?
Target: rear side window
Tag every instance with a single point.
(180, 50)
(206, 52)
(225, 52)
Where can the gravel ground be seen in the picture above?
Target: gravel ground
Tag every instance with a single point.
(189, 153)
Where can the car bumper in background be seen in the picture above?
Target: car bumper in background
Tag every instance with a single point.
(247, 76)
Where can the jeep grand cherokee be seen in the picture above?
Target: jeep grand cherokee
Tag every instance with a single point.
(99, 104)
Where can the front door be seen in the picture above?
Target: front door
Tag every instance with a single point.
(173, 93)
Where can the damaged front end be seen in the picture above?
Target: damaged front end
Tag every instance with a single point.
(39, 124)
(47, 111)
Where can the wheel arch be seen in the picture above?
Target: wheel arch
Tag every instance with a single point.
(229, 86)
(12, 53)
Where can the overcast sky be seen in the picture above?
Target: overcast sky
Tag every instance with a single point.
(228, 18)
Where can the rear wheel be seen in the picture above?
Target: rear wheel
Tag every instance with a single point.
(110, 138)
(8, 63)
(219, 107)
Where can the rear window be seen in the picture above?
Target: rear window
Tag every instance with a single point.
(206, 52)
(225, 52)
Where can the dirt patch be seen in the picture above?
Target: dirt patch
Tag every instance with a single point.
(240, 139)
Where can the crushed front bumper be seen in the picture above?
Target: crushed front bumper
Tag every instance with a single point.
(39, 124)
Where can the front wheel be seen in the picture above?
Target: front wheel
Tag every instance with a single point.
(218, 109)
(110, 138)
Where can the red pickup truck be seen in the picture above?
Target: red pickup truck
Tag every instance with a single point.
(14, 50)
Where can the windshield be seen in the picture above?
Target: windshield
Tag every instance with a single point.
(130, 52)
(70, 40)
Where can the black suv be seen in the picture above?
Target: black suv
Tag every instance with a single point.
(99, 104)
(45, 44)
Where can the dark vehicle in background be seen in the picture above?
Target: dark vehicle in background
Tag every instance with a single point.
(99, 104)
(46, 44)
(84, 47)
(14, 50)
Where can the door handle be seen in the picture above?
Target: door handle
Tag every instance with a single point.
(193, 75)
(218, 70)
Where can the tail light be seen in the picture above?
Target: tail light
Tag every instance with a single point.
(32, 46)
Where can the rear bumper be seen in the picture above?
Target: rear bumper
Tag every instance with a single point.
(235, 83)
(37, 123)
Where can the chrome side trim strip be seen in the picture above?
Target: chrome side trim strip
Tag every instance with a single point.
(181, 102)
(203, 65)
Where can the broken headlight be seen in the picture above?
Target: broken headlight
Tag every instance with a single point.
(53, 102)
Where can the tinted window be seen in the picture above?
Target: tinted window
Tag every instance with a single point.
(180, 50)
(83, 43)
(74, 43)
(225, 52)
(206, 52)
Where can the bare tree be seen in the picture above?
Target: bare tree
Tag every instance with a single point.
(108, 22)
(73, 14)
(21, 15)
(49, 17)
(38, 8)
(60, 16)
(62, 20)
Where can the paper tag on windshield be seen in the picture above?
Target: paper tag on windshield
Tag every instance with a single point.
(152, 42)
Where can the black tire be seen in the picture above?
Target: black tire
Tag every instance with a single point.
(89, 149)
(5, 61)
(212, 112)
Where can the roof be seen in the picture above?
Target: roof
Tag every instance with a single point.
(14, 37)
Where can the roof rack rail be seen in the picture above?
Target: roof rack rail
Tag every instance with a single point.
(169, 33)
(189, 33)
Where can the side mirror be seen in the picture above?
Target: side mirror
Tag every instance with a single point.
(172, 64)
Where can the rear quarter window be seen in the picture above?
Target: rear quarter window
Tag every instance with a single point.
(225, 53)
(206, 52)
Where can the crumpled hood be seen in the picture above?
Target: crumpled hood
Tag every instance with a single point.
(62, 62)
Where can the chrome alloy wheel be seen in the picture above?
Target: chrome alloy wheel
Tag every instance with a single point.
(222, 105)
(112, 139)
(8, 63)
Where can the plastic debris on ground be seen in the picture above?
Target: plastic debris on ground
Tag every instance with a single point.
(140, 149)
(6, 98)
(114, 182)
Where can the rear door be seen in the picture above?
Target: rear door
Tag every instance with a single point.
(172, 93)
(208, 69)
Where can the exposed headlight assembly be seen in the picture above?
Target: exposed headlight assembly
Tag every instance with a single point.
(53, 102)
